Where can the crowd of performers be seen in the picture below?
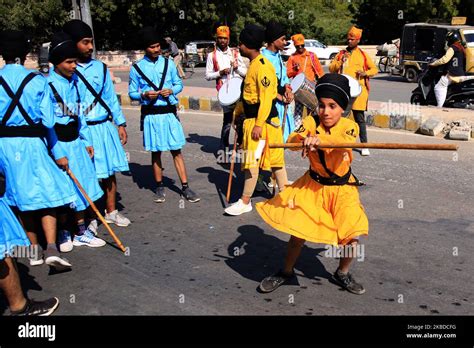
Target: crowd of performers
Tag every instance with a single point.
(71, 122)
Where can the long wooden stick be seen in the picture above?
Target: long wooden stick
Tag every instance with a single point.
(232, 162)
(99, 215)
(284, 120)
(384, 146)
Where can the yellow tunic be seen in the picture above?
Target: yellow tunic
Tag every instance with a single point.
(350, 67)
(260, 86)
(314, 212)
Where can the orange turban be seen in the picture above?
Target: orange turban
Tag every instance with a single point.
(298, 39)
(223, 31)
(354, 33)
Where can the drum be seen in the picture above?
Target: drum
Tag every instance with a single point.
(303, 89)
(356, 90)
(229, 93)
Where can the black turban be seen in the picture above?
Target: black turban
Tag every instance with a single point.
(78, 30)
(252, 36)
(149, 36)
(274, 31)
(13, 44)
(62, 47)
(334, 86)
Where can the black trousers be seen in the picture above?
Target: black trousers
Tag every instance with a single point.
(359, 117)
(225, 131)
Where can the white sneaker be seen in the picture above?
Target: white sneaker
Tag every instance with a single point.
(93, 226)
(238, 208)
(116, 218)
(365, 152)
(38, 260)
(64, 241)
(89, 240)
(55, 260)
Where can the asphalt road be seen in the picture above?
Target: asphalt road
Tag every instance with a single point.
(191, 259)
(383, 86)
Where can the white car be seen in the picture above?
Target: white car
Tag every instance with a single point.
(321, 50)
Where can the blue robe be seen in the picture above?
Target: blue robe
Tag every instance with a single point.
(11, 233)
(109, 156)
(79, 161)
(161, 132)
(33, 180)
(280, 68)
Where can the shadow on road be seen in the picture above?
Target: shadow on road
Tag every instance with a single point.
(209, 144)
(142, 175)
(256, 255)
(27, 282)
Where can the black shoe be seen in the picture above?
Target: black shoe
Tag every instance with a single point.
(273, 282)
(190, 195)
(41, 308)
(159, 194)
(348, 282)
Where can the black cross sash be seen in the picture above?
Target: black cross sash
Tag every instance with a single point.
(15, 97)
(97, 96)
(150, 82)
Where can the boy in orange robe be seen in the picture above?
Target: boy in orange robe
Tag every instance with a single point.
(323, 205)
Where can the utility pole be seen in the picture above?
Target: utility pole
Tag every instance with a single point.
(81, 10)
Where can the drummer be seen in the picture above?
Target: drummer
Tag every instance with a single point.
(275, 36)
(223, 64)
(306, 62)
(355, 63)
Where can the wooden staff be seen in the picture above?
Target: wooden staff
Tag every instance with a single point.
(232, 162)
(384, 146)
(284, 120)
(101, 218)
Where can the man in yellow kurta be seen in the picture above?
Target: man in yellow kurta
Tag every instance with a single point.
(356, 63)
(262, 124)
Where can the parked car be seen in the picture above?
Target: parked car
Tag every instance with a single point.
(195, 52)
(320, 49)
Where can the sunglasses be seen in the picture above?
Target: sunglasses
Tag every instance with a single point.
(299, 46)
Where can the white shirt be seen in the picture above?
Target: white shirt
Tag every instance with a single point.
(224, 61)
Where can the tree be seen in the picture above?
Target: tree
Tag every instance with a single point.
(39, 18)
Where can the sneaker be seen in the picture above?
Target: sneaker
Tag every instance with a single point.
(159, 194)
(272, 282)
(190, 195)
(54, 259)
(64, 241)
(38, 308)
(365, 152)
(348, 282)
(117, 218)
(93, 227)
(38, 260)
(89, 240)
(238, 208)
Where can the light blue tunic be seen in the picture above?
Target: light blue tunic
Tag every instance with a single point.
(109, 156)
(79, 161)
(162, 132)
(33, 180)
(280, 68)
(11, 233)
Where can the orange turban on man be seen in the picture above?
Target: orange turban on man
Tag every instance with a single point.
(223, 31)
(298, 39)
(354, 33)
